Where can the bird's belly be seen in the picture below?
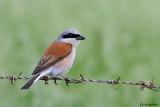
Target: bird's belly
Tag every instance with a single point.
(63, 66)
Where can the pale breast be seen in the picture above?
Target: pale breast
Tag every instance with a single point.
(64, 65)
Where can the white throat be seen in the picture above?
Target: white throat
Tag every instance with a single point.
(72, 41)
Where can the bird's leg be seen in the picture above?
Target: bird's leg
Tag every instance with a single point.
(66, 79)
(45, 78)
(55, 80)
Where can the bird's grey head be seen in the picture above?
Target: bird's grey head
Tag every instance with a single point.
(71, 36)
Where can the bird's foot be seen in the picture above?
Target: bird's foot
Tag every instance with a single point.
(46, 79)
(67, 80)
(55, 81)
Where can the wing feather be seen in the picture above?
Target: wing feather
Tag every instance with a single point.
(54, 53)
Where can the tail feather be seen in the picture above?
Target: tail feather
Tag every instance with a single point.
(31, 81)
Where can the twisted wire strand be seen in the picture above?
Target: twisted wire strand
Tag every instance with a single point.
(142, 84)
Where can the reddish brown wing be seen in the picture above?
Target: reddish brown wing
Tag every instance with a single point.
(54, 53)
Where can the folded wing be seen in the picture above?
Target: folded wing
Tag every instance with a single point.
(56, 52)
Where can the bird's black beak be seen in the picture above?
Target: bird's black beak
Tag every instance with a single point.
(80, 38)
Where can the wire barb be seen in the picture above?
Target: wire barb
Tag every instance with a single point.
(81, 80)
(142, 84)
(115, 82)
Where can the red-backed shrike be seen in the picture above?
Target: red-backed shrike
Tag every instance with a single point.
(58, 58)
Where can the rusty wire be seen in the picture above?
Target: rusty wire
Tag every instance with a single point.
(142, 84)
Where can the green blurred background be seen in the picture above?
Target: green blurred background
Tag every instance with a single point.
(122, 39)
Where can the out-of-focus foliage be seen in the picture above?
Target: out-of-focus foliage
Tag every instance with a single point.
(122, 39)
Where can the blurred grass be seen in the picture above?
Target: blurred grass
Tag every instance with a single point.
(122, 39)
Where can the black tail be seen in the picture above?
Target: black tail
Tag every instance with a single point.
(31, 81)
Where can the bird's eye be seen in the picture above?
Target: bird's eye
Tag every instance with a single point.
(71, 35)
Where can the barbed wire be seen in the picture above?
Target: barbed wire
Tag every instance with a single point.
(149, 85)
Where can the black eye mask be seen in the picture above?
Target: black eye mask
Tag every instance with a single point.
(71, 35)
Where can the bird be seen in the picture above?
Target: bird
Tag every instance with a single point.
(58, 57)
